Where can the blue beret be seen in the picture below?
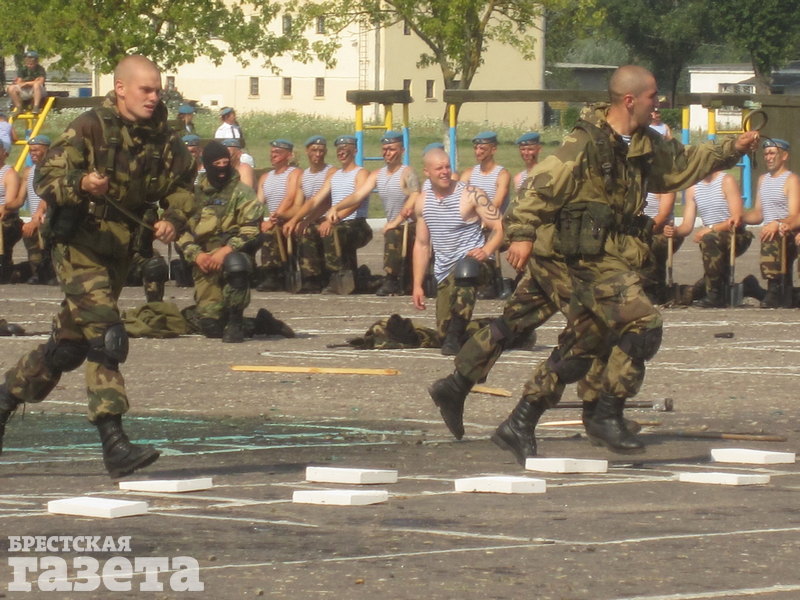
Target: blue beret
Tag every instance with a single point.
(225, 110)
(776, 143)
(39, 140)
(316, 139)
(343, 140)
(528, 139)
(186, 109)
(232, 143)
(191, 139)
(432, 146)
(485, 137)
(391, 137)
(31, 54)
(281, 143)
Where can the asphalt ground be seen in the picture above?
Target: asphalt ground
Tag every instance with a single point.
(633, 533)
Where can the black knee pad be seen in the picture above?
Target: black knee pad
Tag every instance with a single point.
(156, 270)
(467, 272)
(569, 370)
(501, 333)
(111, 349)
(642, 345)
(236, 269)
(65, 355)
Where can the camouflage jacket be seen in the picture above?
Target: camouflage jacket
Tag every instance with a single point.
(147, 164)
(230, 216)
(580, 172)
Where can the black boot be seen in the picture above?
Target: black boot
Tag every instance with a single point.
(752, 289)
(452, 339)
(234, 328)
(120, 457)
(715, 298)
(389, 287)
(8, 404)
(772, 299)
(267, 324)
(588, 414)
(449, 395)
(516, 433)
(211, 328)
(607, 427)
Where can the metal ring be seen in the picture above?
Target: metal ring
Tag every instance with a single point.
(747, 121)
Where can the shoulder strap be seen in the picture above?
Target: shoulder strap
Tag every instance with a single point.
(112, 137)
(604, 151)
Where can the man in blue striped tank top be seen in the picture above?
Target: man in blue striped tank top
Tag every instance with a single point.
(495, 180)
(39, 260)
(395, 184)
(777, 202)
(10, 203)
(450, 218)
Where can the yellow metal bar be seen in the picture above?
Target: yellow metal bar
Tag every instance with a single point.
(388, 111)
(451, 111)
(685, 118)
(712, 122)
(359, 117)
(38, 123)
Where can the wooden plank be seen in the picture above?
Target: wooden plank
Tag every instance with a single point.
(492, 391)
(362, 97)
(314, 370)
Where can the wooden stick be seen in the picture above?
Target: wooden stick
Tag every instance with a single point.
(483, 389)
(580, 423)
(325, 370)
(721, 435)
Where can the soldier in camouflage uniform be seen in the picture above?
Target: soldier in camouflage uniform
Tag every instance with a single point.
(777, 202)
(109, 166)
(593, 189)
(219, 243)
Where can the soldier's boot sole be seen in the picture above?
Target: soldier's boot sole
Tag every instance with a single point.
(449, 399)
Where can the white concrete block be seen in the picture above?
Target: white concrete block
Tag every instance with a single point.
(725, 478)
(88, 506)
(566, 465)
(349, 475)
(502, 485)
(752, 457)
(167, 485)
(340, 497)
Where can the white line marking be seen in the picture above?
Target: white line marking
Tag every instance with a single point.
(242, 519)
(774, 589)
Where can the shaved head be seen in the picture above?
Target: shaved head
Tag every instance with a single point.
(435, 155)
(134, 65)
(630, 79)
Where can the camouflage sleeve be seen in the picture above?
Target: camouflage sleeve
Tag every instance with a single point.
(179, 197)
(72, 156)
(677, 167)
(249, 214)
(552, 184)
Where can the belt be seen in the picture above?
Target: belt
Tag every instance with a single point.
(105, 212)
(638, 226)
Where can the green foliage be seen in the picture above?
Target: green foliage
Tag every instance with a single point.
(672, 117)
(768, 29)
(100, 32)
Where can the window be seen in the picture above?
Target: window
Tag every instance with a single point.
(254, 86)
(287, 86)
(407, 85)
(429, 89)
(737, 88)
(319, 87)
(170, 83)
(287, 24)
(406, 28)
(320, 24)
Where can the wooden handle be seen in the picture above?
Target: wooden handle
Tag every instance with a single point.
(336, 243)
(404, 250)
(279, 240)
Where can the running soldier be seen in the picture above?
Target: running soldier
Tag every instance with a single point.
(110, 165)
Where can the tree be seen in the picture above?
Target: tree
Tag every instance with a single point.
(665, 33)
(100, 32)
(456, 32)
(767, 29)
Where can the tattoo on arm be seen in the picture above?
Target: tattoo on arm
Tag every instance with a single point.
(478, 197)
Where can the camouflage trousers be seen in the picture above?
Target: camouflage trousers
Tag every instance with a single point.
(273, 250)
(456, 301)
(607, 302)
(311, 253)
(654, 271)
(91, 284)
(213, 296)
(33, 246)
(152, 289)
(715, 248)
(352, 234)
(393, 249)
(770, 262)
